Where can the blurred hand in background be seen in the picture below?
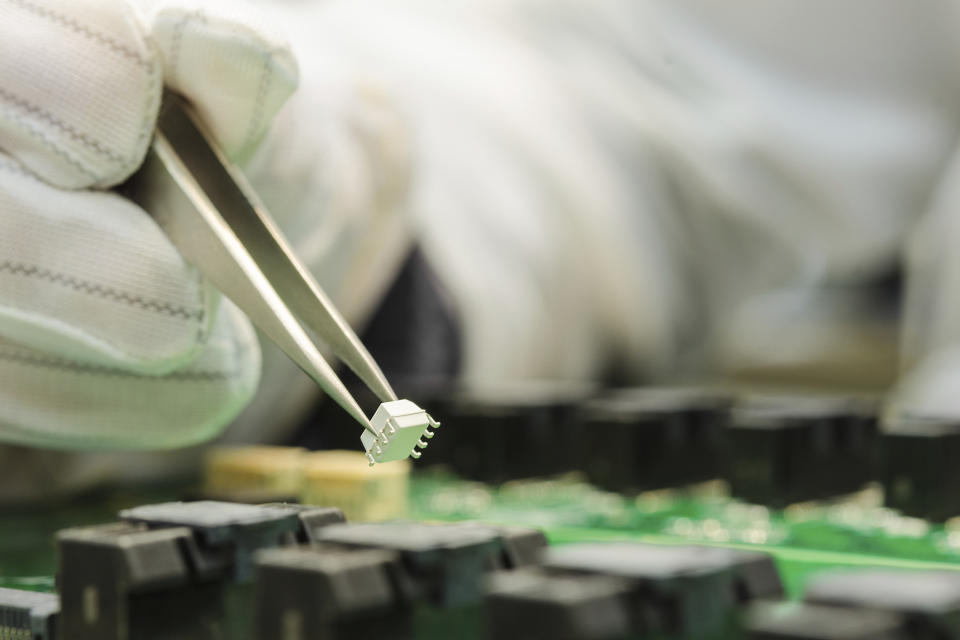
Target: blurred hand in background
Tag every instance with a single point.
(655, 190)
(637, 190)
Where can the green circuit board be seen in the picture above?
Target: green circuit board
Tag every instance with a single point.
(855, 530)
(804, 538)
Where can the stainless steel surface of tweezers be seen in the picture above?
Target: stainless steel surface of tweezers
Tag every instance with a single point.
(217, 222)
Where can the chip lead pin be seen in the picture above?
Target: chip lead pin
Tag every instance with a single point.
(398, 427)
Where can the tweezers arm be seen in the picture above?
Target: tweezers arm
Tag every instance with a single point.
(165, 187)
(230, 194)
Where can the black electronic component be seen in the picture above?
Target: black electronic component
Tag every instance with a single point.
(522, 432)
(649, 438)
(28, 615)
(783, 450)
(445, 562)
(929, 601)
(123, 582)
(921, 476)
(242, 496)
(325, 593)
(521, 547)
(119, 580)
(312, 519)
(801, 621)
(681, 590)
(236, 529)
(755, 573)
(535, 605)
(444, 567)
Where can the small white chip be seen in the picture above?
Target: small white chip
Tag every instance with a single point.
(402, 428)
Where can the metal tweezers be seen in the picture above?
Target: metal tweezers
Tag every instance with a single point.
(215, 219)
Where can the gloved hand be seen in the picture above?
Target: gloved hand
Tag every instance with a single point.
(929, 386)
(107, 338)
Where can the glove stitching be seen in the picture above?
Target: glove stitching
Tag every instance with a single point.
(259, 108)
(82, 30)
(52, 144)
(151, 106)
(69, 130)
(201, 314)
(176, 42)
(78, 367)
(101, 291)
(165, 308)
(202, 293)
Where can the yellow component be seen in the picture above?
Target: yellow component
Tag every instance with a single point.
(345, 479)
(255, 469)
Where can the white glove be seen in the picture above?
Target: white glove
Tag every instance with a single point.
(661, 184)
(930, 384)
(107, 338)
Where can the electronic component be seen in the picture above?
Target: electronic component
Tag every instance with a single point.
(326, 593)
(235, 531)
(685, 590)
(344, 479)
(527, 430)
(522, 547)
(253, 474)
(312, 519)
(929, 601)
(921, 474)
(446, 562)
(121, 582)
(801, 621)
(224, 528)
(117, 580)
(403, 429)
(535, 605)
(788, 449)
(27, 615)
(368, 580)
(169, 582)
(444, 567)
(755, 572)
(665, 437)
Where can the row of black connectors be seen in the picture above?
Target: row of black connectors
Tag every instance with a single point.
(209, 570)
(774, 450)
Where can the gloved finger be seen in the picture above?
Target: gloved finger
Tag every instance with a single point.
(236, 70)
(928, 389)
(48, 401)
(90, 276)
(80, 85)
